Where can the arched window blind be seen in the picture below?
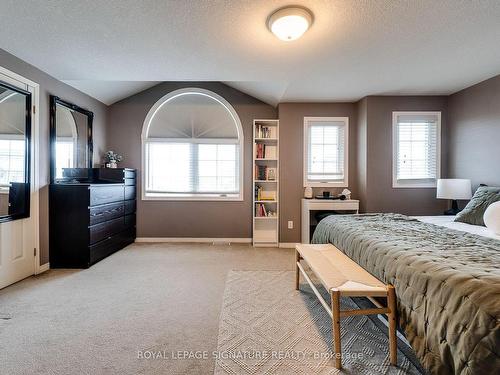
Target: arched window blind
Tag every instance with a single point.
(192, 148)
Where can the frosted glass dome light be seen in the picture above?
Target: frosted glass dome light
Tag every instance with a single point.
(290, 23)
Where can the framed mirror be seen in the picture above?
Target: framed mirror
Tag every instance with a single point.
(15, 152)
(70, 137)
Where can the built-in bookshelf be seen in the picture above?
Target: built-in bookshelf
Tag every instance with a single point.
(265, 182)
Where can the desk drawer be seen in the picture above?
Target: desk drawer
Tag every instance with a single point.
(106, 194)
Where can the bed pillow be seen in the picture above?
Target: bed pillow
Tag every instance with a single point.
(474, 211)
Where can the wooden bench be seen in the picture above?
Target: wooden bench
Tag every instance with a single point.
(343, 277)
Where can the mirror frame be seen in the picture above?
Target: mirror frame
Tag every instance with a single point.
(27, 153)
(54, 101)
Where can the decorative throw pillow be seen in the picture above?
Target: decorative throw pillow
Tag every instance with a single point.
(474, 211)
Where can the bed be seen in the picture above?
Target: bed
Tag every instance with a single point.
(447, 281)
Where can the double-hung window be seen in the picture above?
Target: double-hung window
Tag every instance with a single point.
(192, 148)
(416, 149)
(326, 151)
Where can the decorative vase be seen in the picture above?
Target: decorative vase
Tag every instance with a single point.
(112, 164)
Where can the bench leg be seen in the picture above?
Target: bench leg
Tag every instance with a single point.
(337, 350)
(297, 272)
(391, 304)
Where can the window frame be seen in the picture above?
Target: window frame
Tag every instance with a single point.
(326, 184)
(415, 183)
(189, 196)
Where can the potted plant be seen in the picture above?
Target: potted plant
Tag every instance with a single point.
(112, 159)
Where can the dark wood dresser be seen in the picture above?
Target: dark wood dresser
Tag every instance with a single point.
(92, 215)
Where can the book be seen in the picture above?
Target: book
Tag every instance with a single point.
(263, 131)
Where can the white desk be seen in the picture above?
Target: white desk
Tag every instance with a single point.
(309, 205)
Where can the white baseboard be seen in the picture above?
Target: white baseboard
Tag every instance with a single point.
(192, 240)
(42, 268)
(288, 245)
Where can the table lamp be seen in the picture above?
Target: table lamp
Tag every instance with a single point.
(454, 189)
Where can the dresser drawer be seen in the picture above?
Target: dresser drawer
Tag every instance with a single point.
(129, 181)
(129, 221)
(104, 230)
(99, 214)
(127, 173)
(129, 207)
(129, 192)
(110, 245)
(105, 194)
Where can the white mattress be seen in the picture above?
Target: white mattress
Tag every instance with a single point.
(447, 221)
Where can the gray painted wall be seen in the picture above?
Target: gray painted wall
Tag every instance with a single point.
(291, 117)
(380, 195)
(186, 219)
(474, 133)
(49, 85)
(362, 133)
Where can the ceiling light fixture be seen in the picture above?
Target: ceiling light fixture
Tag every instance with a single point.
(290, 23)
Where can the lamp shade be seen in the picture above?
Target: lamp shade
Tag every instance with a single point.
(454, 188)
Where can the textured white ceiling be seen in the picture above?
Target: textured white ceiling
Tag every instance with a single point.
(353, 49)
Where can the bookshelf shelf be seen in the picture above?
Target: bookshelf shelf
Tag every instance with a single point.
(266, 183)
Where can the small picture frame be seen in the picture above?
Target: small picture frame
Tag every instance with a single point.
(271, 174)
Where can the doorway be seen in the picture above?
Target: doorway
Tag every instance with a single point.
(19, 234)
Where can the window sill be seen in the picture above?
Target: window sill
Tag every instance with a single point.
(190, 197)
(327, 185)
(414, 185)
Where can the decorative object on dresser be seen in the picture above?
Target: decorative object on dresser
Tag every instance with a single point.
(310, 208)
(266, 182)
(92, 215)
(112, 159)
(454, 189)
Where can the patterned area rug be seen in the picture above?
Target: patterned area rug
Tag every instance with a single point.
(266, 327)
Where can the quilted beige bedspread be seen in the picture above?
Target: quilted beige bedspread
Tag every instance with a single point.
(447, 284)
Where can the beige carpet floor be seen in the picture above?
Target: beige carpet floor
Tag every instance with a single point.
(148, 298)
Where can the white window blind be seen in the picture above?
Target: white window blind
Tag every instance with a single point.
(325, 151)
(417, 149)
(11, 161)
(192, 148)
(192, 168)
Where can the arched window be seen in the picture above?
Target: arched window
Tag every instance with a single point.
(192, 148)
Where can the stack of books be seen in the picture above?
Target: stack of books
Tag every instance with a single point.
(263, 172)
(263, 151)
(262, 131)
(264, 195)
(261, 211)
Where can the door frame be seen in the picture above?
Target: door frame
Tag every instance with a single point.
(35, 140)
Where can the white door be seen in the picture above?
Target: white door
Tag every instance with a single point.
(19, 238)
